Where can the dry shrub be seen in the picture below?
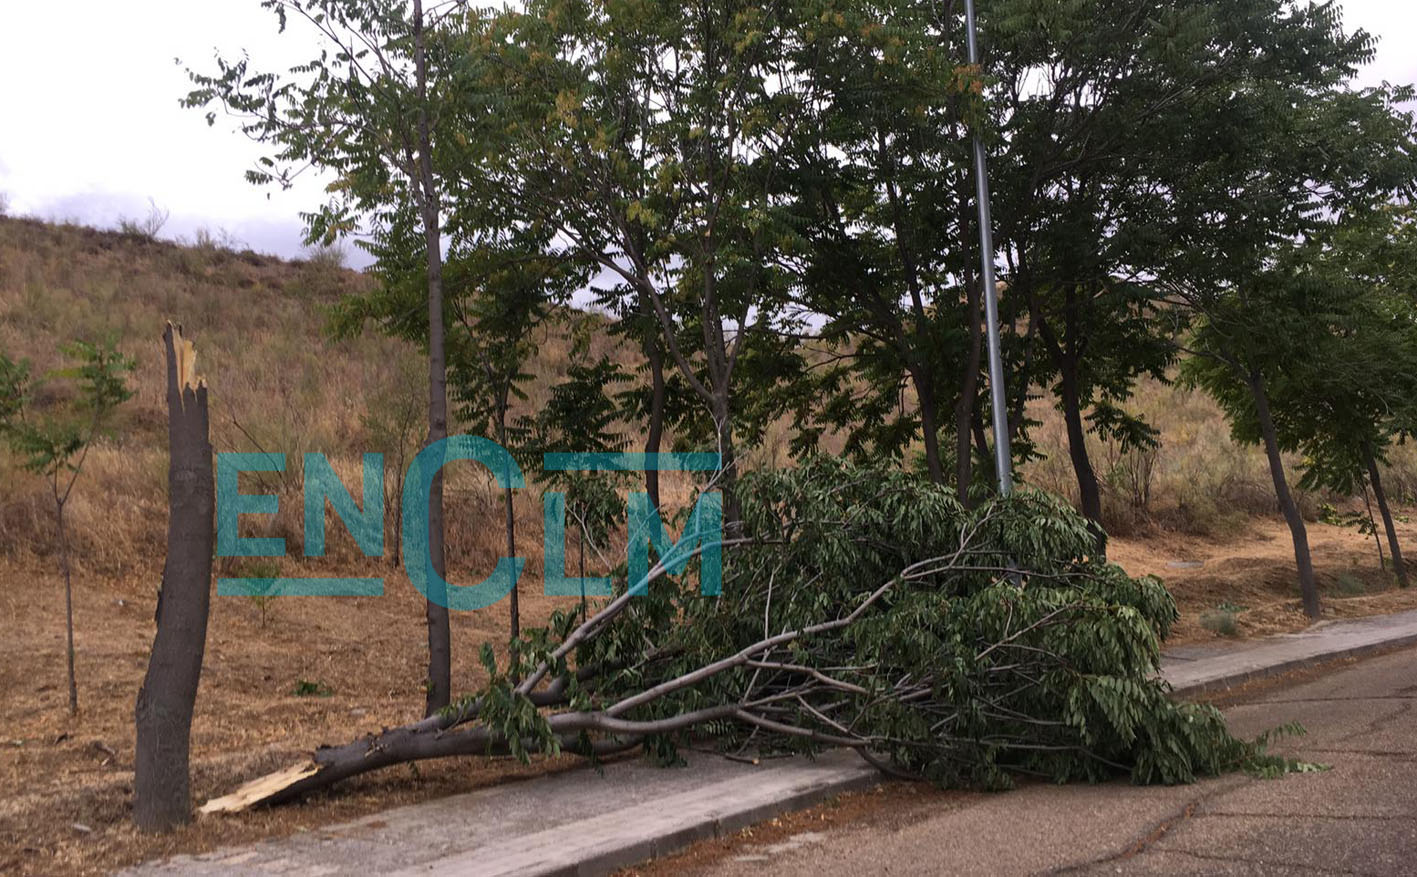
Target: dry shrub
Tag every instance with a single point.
(1220, 622)
(1400, 475)
(331, 256)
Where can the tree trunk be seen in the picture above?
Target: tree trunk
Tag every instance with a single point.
(981, 441)
(580, 567)
(440, 649)
(164, 710)
(1088, 491)
(1377, 540)
(409, 743)
(397, 506)
(728, 476)
(1307, 584)
(68, 608)
(1064, 354)
(509, 522)
(929, 424)
(395, 500)
(516, 624)
(656, 418)
(1375, 478)
(964, 407)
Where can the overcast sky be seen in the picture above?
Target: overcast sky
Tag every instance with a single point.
(90, 128)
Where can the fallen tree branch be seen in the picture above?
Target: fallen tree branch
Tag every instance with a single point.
(939, 642)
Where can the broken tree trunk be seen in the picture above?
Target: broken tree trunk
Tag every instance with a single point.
(162, 797)
(415, 742)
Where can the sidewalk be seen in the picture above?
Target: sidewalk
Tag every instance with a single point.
(1193, 670)
(579, 822)
(585, 822)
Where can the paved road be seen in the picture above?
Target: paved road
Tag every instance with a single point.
(1360, 817)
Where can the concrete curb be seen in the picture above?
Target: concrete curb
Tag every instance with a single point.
(601, 845)
(575, 823)
(1200, 671)
(1238, 678)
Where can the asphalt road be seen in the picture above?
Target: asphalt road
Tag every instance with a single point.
(1359, 817)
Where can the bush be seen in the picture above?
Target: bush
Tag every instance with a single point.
(1350, 585)
(1220, 621)
(220, 240)
(328, 256)
(308, 688)
(148, 227)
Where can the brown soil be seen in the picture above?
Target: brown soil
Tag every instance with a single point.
(65, 784)
(1254, 571)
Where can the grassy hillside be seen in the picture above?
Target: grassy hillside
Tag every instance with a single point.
(278, 384)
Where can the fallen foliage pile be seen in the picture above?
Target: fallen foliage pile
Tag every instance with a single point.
(863, 608)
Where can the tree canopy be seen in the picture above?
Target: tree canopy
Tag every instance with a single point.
(773, 203)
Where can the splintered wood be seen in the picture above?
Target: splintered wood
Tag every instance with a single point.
(186, 351)
(259, 789)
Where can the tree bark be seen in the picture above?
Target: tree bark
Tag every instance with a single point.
(68, 608)
(511, 524)
(964, 406)
(655, 433)
(580, 570)
(1375, 479)
(1089, 493)
(410, 743)
(728, 462)
(515, 608)
(440, 650)
(1307, 584)
(396, 503)
(981, 441)
(929, 424)
(162, 794)
(1377, 540)
(1064, 353)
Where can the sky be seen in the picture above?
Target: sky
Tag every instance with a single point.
(91, 129)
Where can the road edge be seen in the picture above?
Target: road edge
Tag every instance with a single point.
(1224, 683)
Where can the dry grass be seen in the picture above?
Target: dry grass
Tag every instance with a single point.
(1200, 481)
(279, 384)
(59, 772)
(1250, 573)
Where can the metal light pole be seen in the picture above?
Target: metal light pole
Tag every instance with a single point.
(1003, 458)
